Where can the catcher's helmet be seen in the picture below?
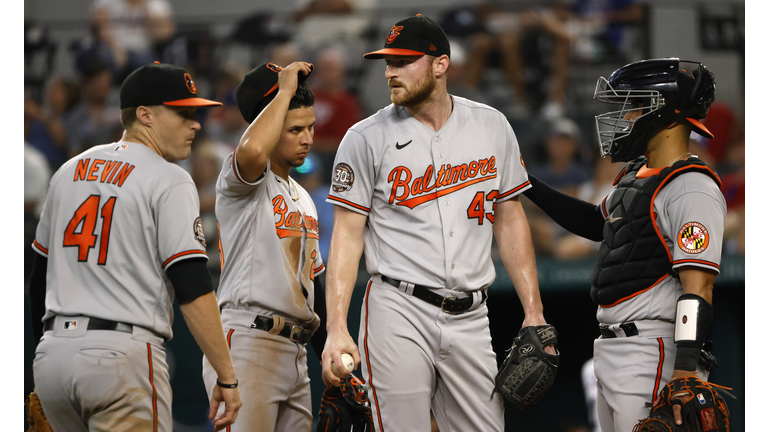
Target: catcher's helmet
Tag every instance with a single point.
(665, 90)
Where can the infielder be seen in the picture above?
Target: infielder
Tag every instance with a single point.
(421, 187)
(661, 231)
(268, 230)
(120, 236)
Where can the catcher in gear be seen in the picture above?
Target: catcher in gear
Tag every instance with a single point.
(528, 372)
(687, 404)
(346, 408)
(661, 233)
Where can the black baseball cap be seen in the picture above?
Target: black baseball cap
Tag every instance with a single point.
(253, 94)
(161, 84)
(413, 36)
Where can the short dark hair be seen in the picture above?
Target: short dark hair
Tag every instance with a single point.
(128, 117)
(303, 98)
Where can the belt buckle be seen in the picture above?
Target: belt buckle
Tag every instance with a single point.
(442, 306)
(297, 332)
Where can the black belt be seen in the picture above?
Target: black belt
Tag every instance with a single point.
(295, 333)
(630, 329)
(451, 305)
(96, 324)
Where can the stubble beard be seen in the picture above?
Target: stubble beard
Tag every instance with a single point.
(422, 89)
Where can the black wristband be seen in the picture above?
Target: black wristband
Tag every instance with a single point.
(226, 386)
(687, 358)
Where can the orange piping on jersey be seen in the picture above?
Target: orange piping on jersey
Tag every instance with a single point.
(39, 247)
(313, 236)
(661, 185)
(368, 358)
(234, 166)
(154, 390)
(221, 249)
(349, 203)
(659, 368)
(513, 190)
(635, 294)
(193, 251)
(229, 338)
(413, 202)
(319, 269)
(685, 261)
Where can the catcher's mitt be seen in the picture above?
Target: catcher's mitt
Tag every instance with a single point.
(35, 415)
(528, 372)
(701, 407)
(346, 408)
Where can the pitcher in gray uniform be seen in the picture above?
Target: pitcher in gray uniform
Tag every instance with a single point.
(661, 231)
(421, 187)
(120, 236)
(269, 251)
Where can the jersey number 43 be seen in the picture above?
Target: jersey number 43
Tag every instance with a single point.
(81, 230)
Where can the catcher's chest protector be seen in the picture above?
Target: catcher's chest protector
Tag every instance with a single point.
(633, 255)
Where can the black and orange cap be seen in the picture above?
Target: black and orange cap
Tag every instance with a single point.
(258, 89)
(161, 84)
(414, 36)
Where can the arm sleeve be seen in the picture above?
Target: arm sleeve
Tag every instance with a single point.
(318, 338)
(579, 217)
(37, 295)
(179, 228)
(190, 279)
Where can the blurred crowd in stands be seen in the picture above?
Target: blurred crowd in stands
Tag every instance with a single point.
(535, 61)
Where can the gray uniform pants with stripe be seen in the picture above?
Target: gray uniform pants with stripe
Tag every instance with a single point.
(102, 380)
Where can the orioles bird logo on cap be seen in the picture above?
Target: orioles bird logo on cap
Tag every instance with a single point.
(190, 83)
(274, 68)
(395, 32)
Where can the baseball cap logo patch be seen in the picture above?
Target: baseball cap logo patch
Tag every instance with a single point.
(432, 47)
(190, 83)
(273, 67)
(394, 33)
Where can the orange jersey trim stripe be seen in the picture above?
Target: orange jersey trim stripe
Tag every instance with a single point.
(368, 359)
(319, 269)
(313, 236)
(234, 167)
(349, 203)
(413, 202)
(659, 369)
(635, 294)
(283, 233)
(37, 245)
(229, 338)
(686, 261)
(154, 389)
(505, 194)
(180, 254)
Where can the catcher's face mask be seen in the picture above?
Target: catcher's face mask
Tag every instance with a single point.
(632, 107)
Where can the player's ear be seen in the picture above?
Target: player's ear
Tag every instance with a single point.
(145, 115)
(440, 65)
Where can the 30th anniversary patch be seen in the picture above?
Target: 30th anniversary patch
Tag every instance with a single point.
(693, 238)
(343, 178)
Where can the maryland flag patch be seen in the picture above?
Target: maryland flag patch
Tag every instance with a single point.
(693, 238)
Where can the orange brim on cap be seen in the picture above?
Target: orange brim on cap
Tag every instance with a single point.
(391, 51)
(700, 129)
(194, 102)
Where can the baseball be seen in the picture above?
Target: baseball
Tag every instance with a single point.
(348, 362)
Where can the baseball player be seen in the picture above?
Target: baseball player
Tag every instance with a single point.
(269, 251)
(661, 231)
(421, 187)
(120, 236)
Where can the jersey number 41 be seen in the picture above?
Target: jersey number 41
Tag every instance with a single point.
(81, 230)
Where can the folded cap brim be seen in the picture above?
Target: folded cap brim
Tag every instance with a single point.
(193, 102)
(391, 51)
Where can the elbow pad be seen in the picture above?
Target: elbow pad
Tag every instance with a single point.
(692, 324)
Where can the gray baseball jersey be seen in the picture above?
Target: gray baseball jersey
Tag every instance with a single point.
(430, 198)
(268, 235)
(115, 217)
(689, 213)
